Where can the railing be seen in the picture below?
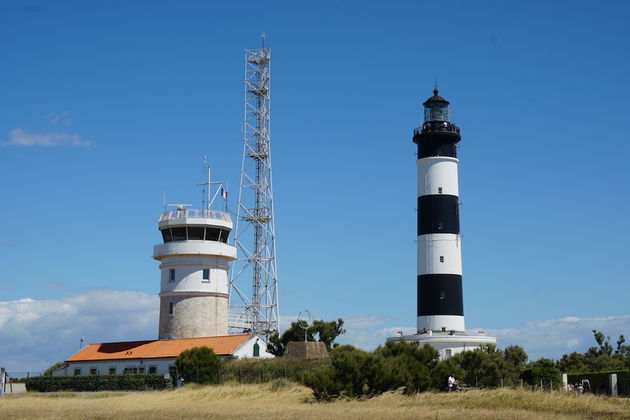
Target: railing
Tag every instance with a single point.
(195, 214)
(437, 127)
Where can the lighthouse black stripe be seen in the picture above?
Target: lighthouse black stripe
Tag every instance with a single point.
(440, 294)
(436, 144)
(438, 214)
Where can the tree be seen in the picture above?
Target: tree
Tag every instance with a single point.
(198, 365)
(325, 332)
(483, 366)
(542, 369)
(604, 344)
(405, 364)
(51, 369)
(516, 360)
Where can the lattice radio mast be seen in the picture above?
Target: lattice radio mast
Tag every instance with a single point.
(255, 230)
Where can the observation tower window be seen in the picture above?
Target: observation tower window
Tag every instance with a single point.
(179, 233)
(195, 233)
(212, 234)
(206, 274)
(166, 234)
(171, 274)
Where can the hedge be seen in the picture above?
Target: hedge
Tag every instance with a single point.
(97, 383)
(600, 382)
(263, 370)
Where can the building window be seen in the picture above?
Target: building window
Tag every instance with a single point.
(77, 371)
(442, 295)
(130, 370)
(441, 258)
(448, 352)
(92, 371)
(439, 190)
(141, 370)
(152, 370)
(171, 274)
(112, 370)
(206, 274)
(170, 308)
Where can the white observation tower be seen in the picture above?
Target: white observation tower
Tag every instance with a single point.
(194, 262)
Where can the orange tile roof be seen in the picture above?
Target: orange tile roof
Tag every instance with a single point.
(221, 345)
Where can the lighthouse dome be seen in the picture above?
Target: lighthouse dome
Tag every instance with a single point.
(436, 108)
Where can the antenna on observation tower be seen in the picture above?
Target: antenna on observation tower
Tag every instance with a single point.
(207, 196)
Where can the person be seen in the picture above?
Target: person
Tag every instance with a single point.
(586, 386)
(453, 385)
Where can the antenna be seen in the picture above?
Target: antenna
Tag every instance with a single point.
(255, 235)
(207, 196)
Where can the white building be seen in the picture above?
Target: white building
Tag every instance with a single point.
(156, 356)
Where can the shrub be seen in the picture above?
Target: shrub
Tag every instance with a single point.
(355, 372)
(544, 370)
(263, 370)
(198, 365)
(97, 383)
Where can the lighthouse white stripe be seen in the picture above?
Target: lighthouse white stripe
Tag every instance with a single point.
(437, 172)
(437, 322)
(433, 246)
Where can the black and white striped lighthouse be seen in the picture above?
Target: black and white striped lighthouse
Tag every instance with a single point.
(440, 300)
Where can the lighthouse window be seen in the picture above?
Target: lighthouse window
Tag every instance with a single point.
(166, 234)
(439, 190)
(179, 233)
(442, 295)
(441, 258)
(195, 233)
(171, 274)
(170, 308)
(206, 274)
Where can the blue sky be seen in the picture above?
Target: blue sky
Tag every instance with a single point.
(106, 106)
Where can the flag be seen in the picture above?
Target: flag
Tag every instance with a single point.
(224, 194)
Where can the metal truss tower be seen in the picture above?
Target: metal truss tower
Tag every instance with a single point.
(255, 231)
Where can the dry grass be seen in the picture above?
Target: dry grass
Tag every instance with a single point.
(280, 400)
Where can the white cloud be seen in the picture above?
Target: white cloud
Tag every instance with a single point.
(59, 118)
(37, 333)
(547, 338)
(19, 137)
(554, 337)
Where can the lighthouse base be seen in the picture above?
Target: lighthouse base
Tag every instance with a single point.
(448, 344)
